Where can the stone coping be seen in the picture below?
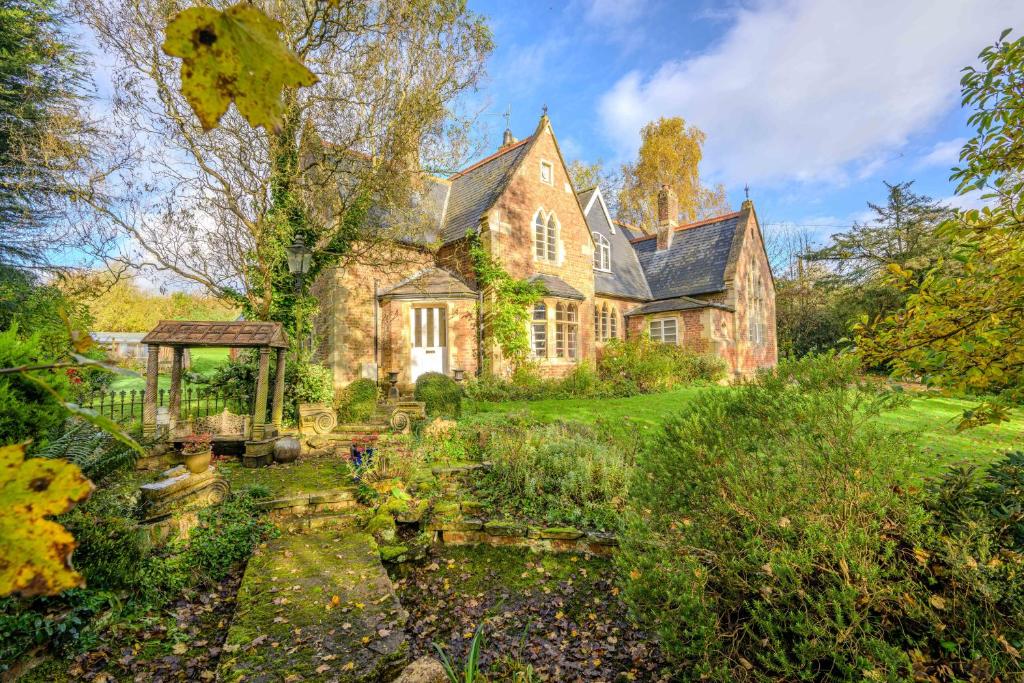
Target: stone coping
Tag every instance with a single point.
(307, 499)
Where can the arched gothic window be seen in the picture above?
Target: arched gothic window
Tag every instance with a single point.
(604, 321)
(602, 253)
(614, 323)
(545, 229)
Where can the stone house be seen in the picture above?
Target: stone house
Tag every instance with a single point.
(706, 285)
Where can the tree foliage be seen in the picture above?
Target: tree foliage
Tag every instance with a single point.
(35, 553)
(220, 208)
(963, 319)
(670, 154)
(43, 135)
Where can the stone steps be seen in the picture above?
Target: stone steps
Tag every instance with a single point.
(316, 606)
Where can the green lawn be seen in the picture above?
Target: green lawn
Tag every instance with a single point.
(204, 362)
(932, 419)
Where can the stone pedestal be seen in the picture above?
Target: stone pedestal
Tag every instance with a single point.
(179, 490)
(259, 453)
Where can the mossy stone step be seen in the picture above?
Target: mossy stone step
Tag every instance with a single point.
(316, 606)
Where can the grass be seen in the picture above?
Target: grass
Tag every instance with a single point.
(204, 362)
(932, 419)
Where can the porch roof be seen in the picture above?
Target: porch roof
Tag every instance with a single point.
(430, 283)
(557, 287)
(233, 334)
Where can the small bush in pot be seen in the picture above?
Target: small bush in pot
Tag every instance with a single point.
(197, 451)
(440, 393)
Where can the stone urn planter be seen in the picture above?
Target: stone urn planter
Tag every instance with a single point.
(287, 450)
(197, 452)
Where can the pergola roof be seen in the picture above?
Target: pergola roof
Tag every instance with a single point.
(234, 334)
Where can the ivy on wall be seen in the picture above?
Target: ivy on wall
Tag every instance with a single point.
(509, 301)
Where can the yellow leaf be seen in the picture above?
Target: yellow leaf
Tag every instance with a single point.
(634, 574)
(235, 55)
(937, 602)
(179, 648)
(335, 600)
(35, 553)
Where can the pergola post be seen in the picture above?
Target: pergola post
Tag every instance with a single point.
(259, 411)
(174, 397)
(149, 404)
(277, 404)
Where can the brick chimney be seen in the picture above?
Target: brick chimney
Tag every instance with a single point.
(668, 214)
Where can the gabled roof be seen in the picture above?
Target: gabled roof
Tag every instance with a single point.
(431, 283)
(477, 188)
(682, 303)
(626, 278)
(233, 334)
(696, 261)
(557, 287)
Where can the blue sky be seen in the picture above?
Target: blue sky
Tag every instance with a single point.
(812, 102)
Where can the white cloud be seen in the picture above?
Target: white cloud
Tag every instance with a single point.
(967, 201)
(945, 153)
(813, 90)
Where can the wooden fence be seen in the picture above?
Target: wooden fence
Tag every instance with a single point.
(126, 405)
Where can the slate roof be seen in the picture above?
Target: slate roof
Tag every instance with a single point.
(682, 303)
(627, 277)
(474, 190)
(233, 334)
(695, 263)
(557, 287)
(434, 283)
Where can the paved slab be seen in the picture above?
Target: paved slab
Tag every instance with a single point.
(316, 607)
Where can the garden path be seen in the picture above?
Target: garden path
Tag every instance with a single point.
(316, 606)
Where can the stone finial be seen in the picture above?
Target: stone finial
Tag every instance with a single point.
(668, 216)
(508, 138)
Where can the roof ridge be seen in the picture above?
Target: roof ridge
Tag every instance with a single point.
(490, 158)
(687, 226)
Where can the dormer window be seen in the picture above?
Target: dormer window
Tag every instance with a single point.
(547, 173)
(602, 253)
(545, 237)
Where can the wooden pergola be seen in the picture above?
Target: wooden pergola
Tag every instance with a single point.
(179, 335)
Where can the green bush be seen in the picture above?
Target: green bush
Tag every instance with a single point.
(774, 534)
(639, 366)
(358, 401)
(441, 394)
(303, 382)
(558, 474)
(27, 410)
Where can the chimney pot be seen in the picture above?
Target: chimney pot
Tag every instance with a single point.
(668, 216)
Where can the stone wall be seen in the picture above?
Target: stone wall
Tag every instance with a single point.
(396, 345)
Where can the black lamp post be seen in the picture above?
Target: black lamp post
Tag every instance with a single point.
(299, 259)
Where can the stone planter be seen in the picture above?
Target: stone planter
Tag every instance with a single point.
(287, 450)
(199, 462)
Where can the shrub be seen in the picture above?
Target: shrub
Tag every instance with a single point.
(772, 536)
(303, 382)
(441, 394)
(561, 474)
(639, 365)
(27, 410)
(358, 401)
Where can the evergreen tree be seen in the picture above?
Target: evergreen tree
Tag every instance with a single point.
(41, 94)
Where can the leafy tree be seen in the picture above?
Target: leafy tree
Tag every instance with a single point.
(596, 174)
(670, 153)
(902, 232)
(219, 208)
(961, 327)
(43, 137)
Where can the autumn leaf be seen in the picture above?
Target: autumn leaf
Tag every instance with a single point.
(35, 553)
(235, 55)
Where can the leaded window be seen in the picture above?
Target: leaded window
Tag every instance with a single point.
(539, 330)
(664, 331)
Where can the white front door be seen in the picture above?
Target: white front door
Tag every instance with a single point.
(429, 330)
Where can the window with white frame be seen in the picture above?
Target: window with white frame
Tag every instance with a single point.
(547, 173)
(545, 237)
(566, 331)
(602, 253)
(664, 331)
(539, 330)
(614, 323)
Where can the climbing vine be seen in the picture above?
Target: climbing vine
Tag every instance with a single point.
(509, 301)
